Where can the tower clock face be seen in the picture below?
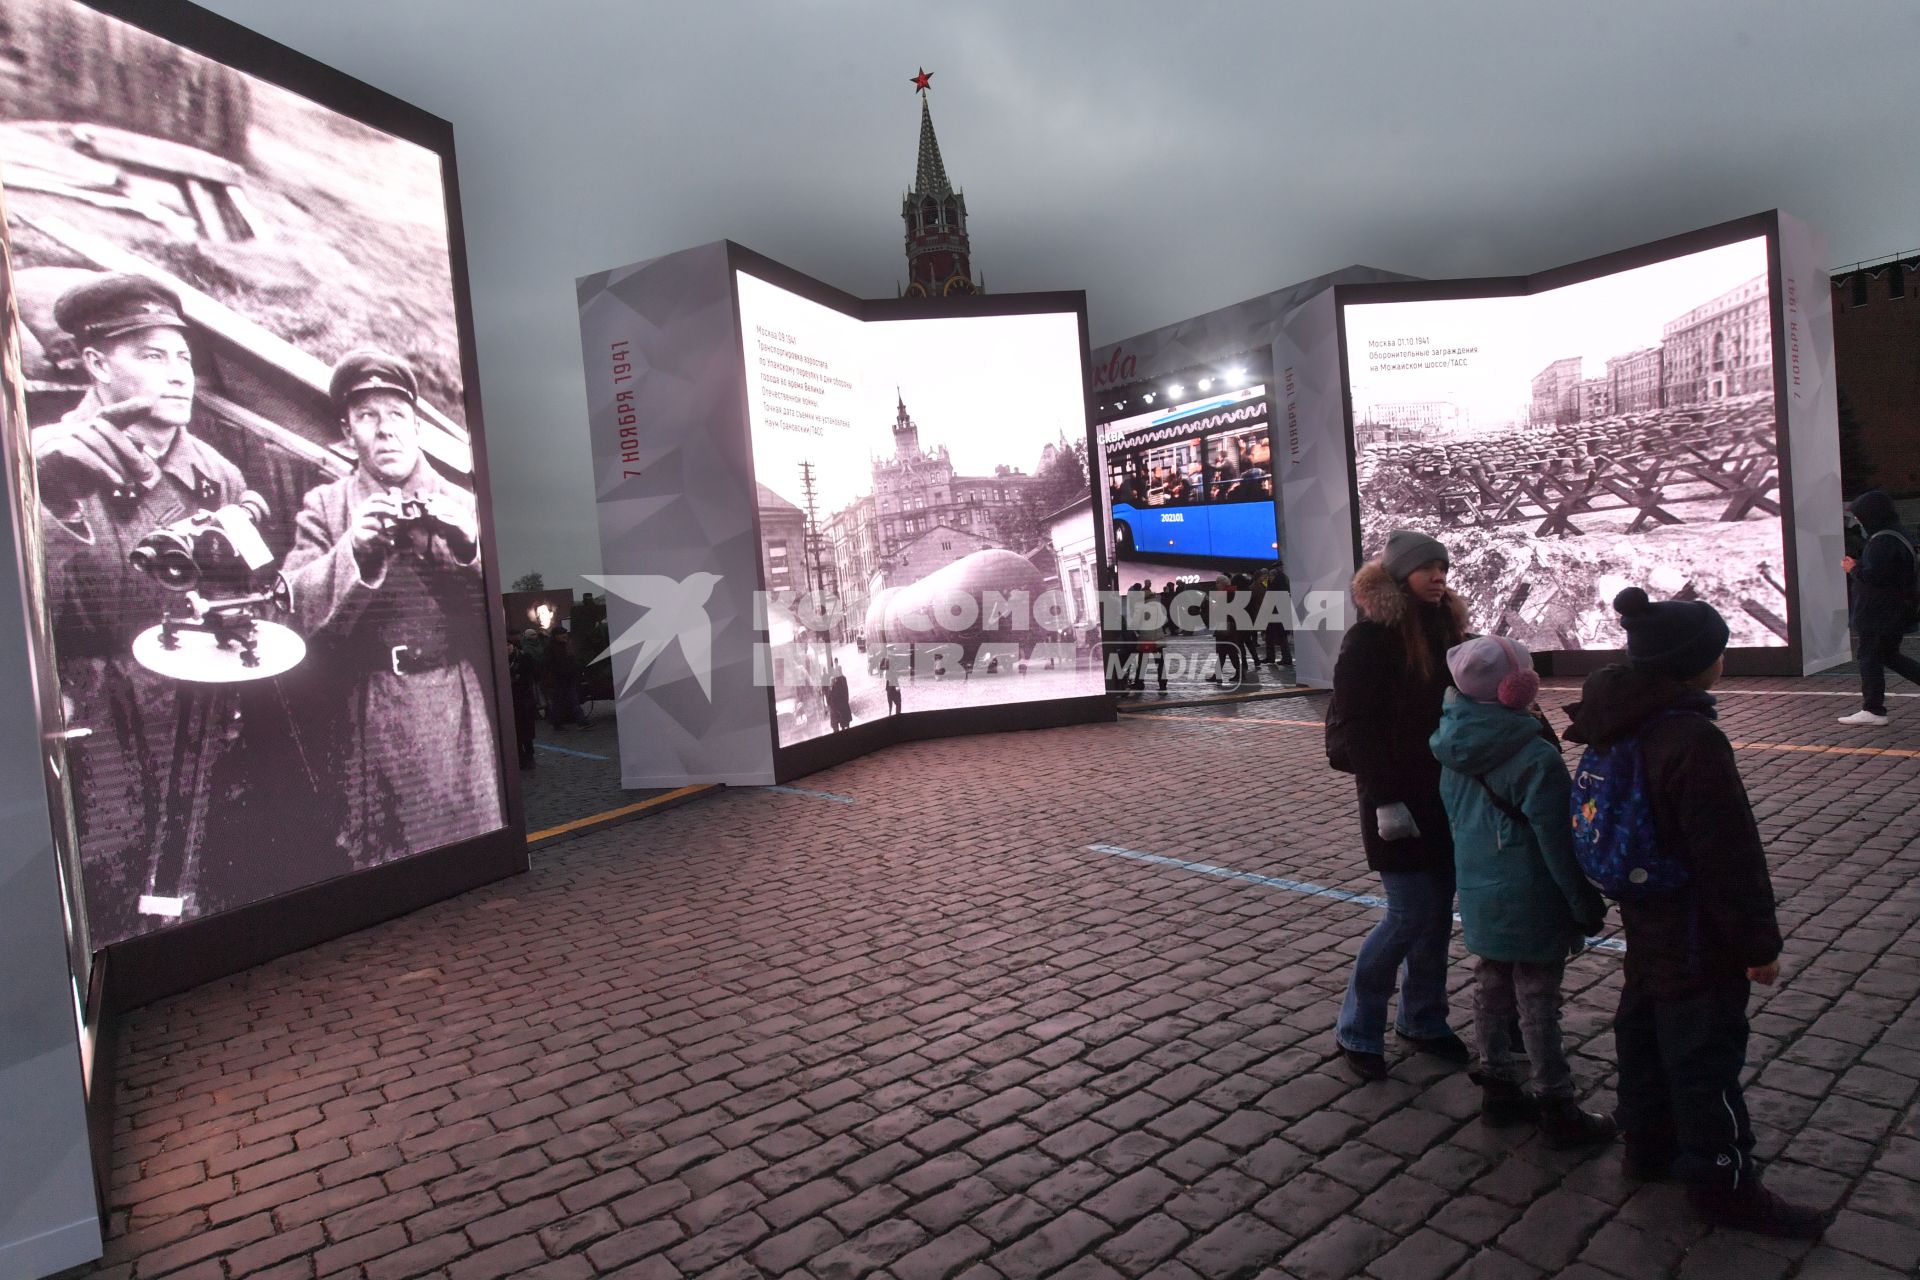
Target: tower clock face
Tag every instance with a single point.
(957, 285)
(916, 290)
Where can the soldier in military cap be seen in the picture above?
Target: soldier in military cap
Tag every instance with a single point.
(120, 465)
(386, 581)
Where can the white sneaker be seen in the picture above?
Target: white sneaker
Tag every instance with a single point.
(1863, 716)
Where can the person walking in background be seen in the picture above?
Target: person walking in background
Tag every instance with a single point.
(1279, 634)
(1226, 635)
(1251, 591)
(839, 700)
(890, 672)
(1885, 604)
(1388, 684)
(524, 676)
(1525, 905)
(1695, 948)
(563, 681)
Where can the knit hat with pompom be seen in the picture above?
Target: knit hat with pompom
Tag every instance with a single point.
(1678, 638)
(1494, 669)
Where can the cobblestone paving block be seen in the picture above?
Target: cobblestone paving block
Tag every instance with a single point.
(932, 1033)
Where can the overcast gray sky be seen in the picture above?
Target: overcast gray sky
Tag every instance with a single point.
(1167, 159)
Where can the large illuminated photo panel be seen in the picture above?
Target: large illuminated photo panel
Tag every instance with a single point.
(1568, 440)
(1191, 481)
(261, 509)
(905, 469)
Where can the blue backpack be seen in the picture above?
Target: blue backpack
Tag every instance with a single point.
(1613, 832)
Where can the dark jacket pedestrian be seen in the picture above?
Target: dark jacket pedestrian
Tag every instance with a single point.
(1692, 953)
(1279, 634)
(1253, 593)
(524, 677)
(1387, 688)
(1884, 604)
(1226, 631)
(563, 682)
(1386, 704)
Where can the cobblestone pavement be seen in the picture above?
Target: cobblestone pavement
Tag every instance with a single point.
(576, 773)
(928, 1030)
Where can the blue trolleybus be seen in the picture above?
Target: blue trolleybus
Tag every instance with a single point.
(1194, 481)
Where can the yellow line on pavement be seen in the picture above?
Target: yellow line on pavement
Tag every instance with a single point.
(594, 820)
(1821, 749)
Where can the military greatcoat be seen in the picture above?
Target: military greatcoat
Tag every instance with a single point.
(418, 758)
(141, 769)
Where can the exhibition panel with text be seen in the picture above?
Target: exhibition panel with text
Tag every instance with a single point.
(904, 470)
(1613, 424)
(863, 554)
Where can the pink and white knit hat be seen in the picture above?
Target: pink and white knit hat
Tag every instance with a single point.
(1494, 669)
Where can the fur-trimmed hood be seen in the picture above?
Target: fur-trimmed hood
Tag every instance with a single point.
(1380, 599)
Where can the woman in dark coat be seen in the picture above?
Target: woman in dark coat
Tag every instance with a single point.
(1883, 603)
(1388, 685)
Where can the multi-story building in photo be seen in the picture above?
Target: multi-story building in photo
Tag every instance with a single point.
(1594, 399)
(783, 543)
(1417, 416)
(881, 539)
(1720, 348)
(1634, 380)
(1556, 391)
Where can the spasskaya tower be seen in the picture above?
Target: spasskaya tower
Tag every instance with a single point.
(939, 255)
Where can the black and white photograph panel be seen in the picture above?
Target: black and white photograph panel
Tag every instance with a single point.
(1566, 444)
(907, 471)
(260, 532)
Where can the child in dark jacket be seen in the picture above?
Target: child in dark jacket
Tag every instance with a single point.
(1524, 904)
(1692, 952)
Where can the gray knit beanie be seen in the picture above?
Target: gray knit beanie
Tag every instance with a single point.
(1407, 550)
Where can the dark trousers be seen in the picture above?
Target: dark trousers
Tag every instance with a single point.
(1226, 648)
(1281, 637)
(1880, 653)
(526, 716)
(893, 699)
(563, 704)
(1680, 1062)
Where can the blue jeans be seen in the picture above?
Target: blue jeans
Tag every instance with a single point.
(1412, 935)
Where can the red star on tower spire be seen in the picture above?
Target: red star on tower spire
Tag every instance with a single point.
(922, 81)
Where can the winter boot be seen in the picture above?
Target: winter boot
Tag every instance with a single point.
(1751, 1207)
(1504, 1103)
(1563, 1124)
(1368, 1066)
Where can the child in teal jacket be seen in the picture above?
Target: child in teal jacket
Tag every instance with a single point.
(1524, 904)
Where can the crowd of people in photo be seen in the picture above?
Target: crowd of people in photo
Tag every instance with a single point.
(1464, 794)
(1233, 469)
